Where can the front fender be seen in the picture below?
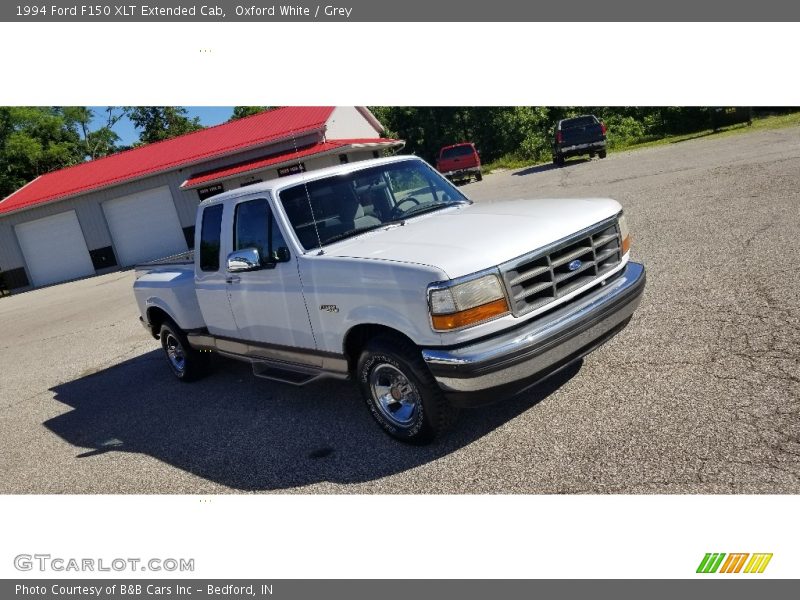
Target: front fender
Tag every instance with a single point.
(392, 319)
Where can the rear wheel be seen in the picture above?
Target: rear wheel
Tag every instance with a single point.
(401, 394)
(479, 176)
(186, 363)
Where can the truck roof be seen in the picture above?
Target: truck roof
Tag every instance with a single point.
(280, 183)
(458, 144)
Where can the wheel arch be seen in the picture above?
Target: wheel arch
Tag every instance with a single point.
(156, 317)
(357, 336)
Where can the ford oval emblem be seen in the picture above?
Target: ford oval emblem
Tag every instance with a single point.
(574, 265)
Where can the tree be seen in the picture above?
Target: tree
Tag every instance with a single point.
(35, 140)
(157, 123)
(246, 111)
(101, 141)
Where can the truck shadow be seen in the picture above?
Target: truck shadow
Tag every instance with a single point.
(550, 167)
(250, 434)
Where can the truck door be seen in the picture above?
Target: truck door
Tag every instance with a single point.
(267, 304)
(209, 269)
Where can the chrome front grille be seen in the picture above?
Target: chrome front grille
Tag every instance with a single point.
(541, 277)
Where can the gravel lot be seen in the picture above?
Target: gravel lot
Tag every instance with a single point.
(700, 394)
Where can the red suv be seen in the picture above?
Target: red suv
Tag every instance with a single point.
(460, 162)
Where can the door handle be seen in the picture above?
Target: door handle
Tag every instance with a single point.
(233, 279)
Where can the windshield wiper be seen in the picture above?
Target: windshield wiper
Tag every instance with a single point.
(423, 208)
(351, 233)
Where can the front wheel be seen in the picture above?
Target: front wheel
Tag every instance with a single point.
(602, 154)
(401, 394)
(186, 363)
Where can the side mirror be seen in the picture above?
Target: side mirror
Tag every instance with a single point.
(244, 260)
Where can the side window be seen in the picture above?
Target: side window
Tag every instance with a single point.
(255, 227)
(209, 238)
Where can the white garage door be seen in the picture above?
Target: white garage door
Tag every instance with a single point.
(54, 249)
(144, 226)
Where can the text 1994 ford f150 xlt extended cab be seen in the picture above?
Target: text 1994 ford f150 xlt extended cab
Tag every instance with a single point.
(383, 272)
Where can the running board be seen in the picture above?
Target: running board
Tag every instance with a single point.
(296, 366)
(285, 374)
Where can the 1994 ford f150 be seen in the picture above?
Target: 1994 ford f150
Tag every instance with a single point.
(383, 272)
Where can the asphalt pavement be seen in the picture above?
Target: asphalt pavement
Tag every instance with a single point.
(700, 394)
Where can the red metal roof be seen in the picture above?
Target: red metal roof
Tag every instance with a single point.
(288, 156)
(206, 144)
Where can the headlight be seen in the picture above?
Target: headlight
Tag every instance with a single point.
(624, 233)
(467, 303)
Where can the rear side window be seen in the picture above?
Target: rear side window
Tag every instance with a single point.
(255, 227)
(455, 151)
(209, 238)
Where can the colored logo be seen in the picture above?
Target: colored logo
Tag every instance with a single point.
(719, 562)
(575, 265)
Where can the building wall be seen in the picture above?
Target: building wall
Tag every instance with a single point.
(346, 122)
(89, 206)
(330, 160)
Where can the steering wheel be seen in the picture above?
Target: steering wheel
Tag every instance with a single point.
(399, 208)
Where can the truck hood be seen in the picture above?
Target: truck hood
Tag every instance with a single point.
(470, 238)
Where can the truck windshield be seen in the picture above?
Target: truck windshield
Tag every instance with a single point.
(327, 210)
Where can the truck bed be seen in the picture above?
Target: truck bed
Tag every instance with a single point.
(184, 258)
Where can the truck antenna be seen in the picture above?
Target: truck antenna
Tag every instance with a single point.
(308, 199)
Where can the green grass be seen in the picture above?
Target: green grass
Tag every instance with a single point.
(759, 123)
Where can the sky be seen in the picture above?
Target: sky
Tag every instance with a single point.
(209, 115)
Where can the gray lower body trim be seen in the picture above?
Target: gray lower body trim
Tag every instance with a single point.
(279, 358)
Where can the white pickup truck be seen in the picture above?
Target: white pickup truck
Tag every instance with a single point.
(384, 273)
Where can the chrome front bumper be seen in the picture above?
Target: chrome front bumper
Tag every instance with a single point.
(544, 344)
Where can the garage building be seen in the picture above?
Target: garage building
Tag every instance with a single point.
(140, 204)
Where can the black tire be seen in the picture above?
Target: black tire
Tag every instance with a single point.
(602, 154)
(591, 155)
(560, 160)
(426, 414)
(186, 363)
(479, 176)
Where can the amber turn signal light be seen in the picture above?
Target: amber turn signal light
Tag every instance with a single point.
(470, 316)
